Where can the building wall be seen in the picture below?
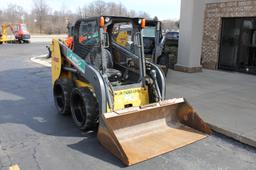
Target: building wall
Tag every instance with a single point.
(212, 26)
(191, 34)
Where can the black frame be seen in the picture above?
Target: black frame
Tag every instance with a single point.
(236, 67)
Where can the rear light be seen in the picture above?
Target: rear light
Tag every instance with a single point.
(102, 22)
(143, 23)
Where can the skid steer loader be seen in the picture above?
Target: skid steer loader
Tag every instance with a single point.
(108, 86)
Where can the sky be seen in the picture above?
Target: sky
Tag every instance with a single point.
(163, 9)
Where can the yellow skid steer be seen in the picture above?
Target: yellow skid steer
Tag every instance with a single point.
(106, 85)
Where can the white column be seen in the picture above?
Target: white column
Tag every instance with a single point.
(191, 34)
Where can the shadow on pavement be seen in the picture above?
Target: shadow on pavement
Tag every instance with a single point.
(92, 147)
(26, 98)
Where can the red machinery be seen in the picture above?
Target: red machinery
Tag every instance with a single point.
(19, 33)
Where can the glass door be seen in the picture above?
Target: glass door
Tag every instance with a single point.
(247, 47)
(229, 43)
(238, 45)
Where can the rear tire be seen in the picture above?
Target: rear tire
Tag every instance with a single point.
(163, 61)
(61, 92)
(84, 109)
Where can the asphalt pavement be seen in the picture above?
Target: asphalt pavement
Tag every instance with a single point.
(34, 136)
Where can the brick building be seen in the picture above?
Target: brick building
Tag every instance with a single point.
(217, 34)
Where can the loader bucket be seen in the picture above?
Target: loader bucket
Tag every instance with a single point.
(140, 133)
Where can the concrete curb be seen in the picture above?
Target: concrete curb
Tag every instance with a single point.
(38, 60)
(235, 136)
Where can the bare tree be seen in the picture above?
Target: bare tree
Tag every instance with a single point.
(41, 19)
(1, 16)
(111, 8)
(170, 25)
(144, 15)
(80, 12)
(13, 13)
(132, 13)
(122, 11)
(97, 7)
(41, 11)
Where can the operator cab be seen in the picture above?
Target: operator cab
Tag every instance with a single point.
(113, 49)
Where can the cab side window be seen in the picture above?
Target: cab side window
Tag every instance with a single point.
(122, 34)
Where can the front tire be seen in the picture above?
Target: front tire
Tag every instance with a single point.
(84, 109)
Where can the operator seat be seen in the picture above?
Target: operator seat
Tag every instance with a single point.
(112, 74)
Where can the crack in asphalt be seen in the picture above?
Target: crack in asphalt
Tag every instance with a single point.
(5, 154)
(8, 159)
(35, 157)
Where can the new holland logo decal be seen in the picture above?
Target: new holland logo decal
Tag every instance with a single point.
(76, 61)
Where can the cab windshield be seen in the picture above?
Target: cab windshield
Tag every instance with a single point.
(149, 32)
(122, 34)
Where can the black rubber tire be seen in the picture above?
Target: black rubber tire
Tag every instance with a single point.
(61, 92)
(84, 109)
(163, 60)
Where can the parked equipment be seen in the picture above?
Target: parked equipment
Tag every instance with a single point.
(10, 33)
(154, 44)
(159, 49)
(107, 85)
(171, 46)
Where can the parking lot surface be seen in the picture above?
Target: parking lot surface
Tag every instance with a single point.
(34, 136)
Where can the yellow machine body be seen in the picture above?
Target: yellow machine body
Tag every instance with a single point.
(130, 97)
(4, 37)
(56, 60)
